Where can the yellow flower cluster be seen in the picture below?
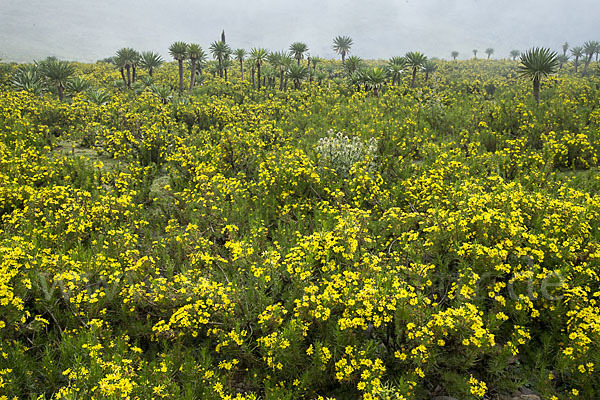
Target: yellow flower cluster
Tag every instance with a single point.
(201, 246)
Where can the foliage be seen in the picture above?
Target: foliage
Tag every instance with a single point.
(77, 84)
(28, 78)
(415, 60)
(297, 49)
(150, 61)
(57, 73)
(342, 45)
(340, 153)
(536, 64)
(319, 242)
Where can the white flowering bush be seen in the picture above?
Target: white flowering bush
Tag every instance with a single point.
(339, 152)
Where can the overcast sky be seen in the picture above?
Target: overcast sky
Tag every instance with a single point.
(88, 30)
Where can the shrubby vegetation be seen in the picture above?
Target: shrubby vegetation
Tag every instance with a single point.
(436, 236)
(341, 153)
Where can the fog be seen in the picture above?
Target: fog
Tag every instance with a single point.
(87, 30)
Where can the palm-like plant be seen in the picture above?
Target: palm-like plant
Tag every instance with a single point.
(127, 56)
(150, 61)
(475, 51)
(269, 75)
(395, 71)
(194, 53)
(562, 60)
(120, 61)
(138, 88)
(286, 62)
(119, 84)
(342, 45)
(146, 81)
(274, 59)
(454, 54)
(29, 78)
(298, 49)
(398, 60)
(514, 54)
(126, 59)
(57, 72)
(213, 68)
(429, 67)
(395, 67)
(77, 84)
(415, 60)
(135, 62)
(489, 51)
(297, 73)
(315, 60)
(320, 75)
(200, 65)
(240, 54)
(537, 63)
(98, 97)
(226, 64)
(221, 52)
(576, 52)
(352, 64)
(258, 56)
(589, 48)
(565, 47)
(178, 51)
(375, 79)
(358, 78)
(280, 60)
(330, 70)
(162, 92)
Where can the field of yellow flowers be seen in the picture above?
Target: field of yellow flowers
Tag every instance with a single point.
(321, 243)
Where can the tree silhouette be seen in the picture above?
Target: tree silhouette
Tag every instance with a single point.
(127, 58)
(375, 79)
(239, 55)
(536, 64)
(226, 64)
(257, 57)
(589, 48)
(342, 45)
(562, 60)
(57, 73)
(298, 49)
(150, 61)
(429, 67)
(352, 64)
(119, 61)
(178, 51)
(297, 73)
(221, 52)
(395, 67)
(315, 60)
(576, 52)
(281, 61)
(195, 53)
(415, 60)
(135, 62)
